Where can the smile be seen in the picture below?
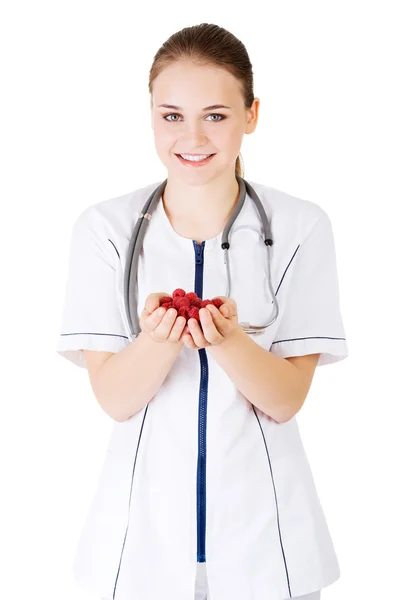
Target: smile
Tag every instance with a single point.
(195, 162)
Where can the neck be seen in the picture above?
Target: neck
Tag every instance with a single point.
(199, 204)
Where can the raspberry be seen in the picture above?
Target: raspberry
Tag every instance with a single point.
(181, 301)
(166, 299)
(194, 313)
(217, 302)
(178, 292)
(183, 312)
(196, 302)
(167, 305)
(192, 296)
(205, 302)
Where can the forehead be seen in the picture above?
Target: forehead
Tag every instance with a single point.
(186, 84)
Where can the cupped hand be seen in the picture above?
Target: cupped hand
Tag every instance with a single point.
(217, 325)
(159, 324)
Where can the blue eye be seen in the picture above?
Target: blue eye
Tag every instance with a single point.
(210, 115)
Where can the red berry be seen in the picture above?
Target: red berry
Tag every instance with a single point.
(217, 302)
(194, 313)
(183, 312)
(166, 305)
(196, 302)
(181, 301)
(178, 292)
(205, 302)
(191, 295)
(165, 299)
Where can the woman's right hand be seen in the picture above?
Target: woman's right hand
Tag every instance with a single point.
(159, 324)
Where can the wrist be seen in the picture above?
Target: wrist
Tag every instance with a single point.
(168, 344)
(232, 340)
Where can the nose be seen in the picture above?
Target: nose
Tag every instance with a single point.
(193, 134)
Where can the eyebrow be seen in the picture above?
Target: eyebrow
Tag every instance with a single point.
(212, 107)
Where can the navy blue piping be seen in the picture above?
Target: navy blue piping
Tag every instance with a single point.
(91, 333)
(311, 337)
(114, 247)
(276, 502)
(284, 273)
(130, 495)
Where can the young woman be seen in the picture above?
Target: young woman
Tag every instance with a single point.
(206, 491)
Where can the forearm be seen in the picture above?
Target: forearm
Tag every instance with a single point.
(129, 379)
(271, 383)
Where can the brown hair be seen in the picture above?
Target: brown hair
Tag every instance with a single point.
(212, 45)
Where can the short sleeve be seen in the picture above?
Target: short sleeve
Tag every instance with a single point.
(91, 314)
(311, 320)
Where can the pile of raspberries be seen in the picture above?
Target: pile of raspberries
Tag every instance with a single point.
(187, 305)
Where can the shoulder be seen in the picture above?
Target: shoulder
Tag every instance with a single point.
(289, 214)
(106, 226)
(115, 216)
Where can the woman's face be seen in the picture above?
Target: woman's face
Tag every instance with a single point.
(191, 130)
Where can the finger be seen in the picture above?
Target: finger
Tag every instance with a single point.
(152, 302)
(196, 333)
(149, 321)
(224, 310)
(210, 332)
(187, 337)
(152, 319)
(177, 329)
(163, 329)
(219, 321)
(157, 315)
(228, 308)
(188, 341)
(219, 314)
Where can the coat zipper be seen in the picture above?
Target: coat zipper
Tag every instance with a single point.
(202, 427)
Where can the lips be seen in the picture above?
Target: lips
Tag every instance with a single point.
(203, 154)
(194, 163)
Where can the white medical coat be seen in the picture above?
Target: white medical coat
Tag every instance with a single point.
(200, 474)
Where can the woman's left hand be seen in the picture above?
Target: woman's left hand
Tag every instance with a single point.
(216, 327)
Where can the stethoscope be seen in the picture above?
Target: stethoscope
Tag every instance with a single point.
(136, 243)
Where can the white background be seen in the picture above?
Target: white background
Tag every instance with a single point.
(75, 130)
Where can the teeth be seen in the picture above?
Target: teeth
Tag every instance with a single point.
(195, 158)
